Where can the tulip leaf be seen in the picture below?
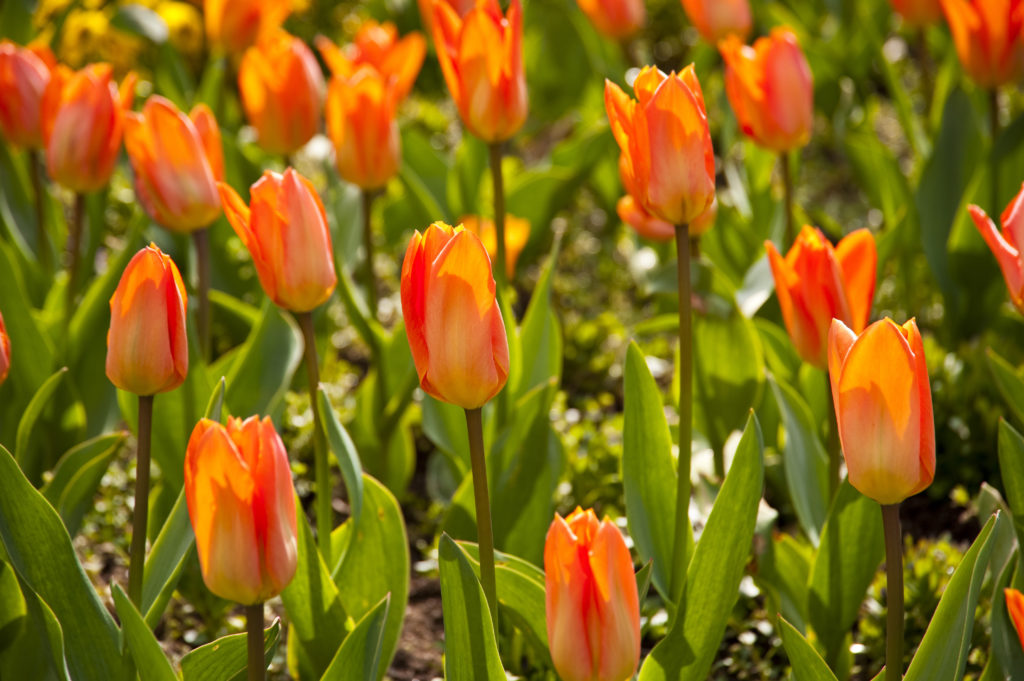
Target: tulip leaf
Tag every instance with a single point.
(807, 664)
(540, 335)
(78, 475)
(463, 186)
(254, 385)
(783, 570)
(1011, 465)
(215, 407)
(226, 658)
(166, 560)
(28, 459)
(145, 649)
(345, 453)
(358, 658)
(715, 571)
(40, 549)
(445, 426)
(470, 646)
(942, 654)
(38, 651)
(648, 475)
(1009, 382)
(643, 580)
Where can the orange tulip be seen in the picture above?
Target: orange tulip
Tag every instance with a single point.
(234, 25)
(816, 283)
(517, 233)
(455, 330)
(1008, 247)
(24, 74)
(616, 19)
(481, 56)
(83, 121)
(241, 501)
(5, 351)
(282, 92)
(175, 180)
(918, 12)
(771, 89)
(377, 45)
(285, 229)
(361, 123)
(719, 19)
(667, 163)
(1015, 606)
(147, 347)
(883, 408)
(987, 34)
(460, 7)
(593, 610)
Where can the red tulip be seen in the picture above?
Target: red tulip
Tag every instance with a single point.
(718, 19)
(1008, 247)
(988, 40)
(378, 46)
(615, 19)
(24, 75)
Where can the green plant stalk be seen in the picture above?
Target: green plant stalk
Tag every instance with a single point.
(321, 472)
(201, 240)
(371, 282)
(254, 639)
(894, 592)
(993, 113)
(39, 194)
(685, 412)
(485, 536)
(787, 191)
(140, 515)
(834, 449)
(499, 214)
(72, 255)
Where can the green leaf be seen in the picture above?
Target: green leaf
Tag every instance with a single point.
(715, 571)
(215, 407)
(540, 335)
(166, 560)
(358, 658)
(78, 475)
(12, 606)
(783, 571)
(942, 654)
(807, 664)
(145, 649)
(256, 386)
(1007, 654)
(463, 185)
(648, 474)
(226, 658)
(29, 460)
(1009, 382)
(38, 653)
(345, 453)
(1011, 465)
(470, 646)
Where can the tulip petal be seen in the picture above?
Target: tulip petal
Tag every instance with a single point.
(858, 259)
(927, 456)
(840, 340)
(1010, 259)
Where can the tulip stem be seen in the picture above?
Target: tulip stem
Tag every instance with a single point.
(140, 514)
(201, 239)
(320, 470)
(254, 639)
(834, 449)
(685, 413)
(787, 195)
(993, 113)
(39, 192)
(371, 283)
(74, 246)
(485, 537)
(894, 592)
(499, 214)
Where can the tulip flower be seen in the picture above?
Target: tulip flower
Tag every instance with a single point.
(5, 351)
(481, 56)
(771, 89)
(615, 19)
(719, 19)
(988, 41)
(24, 75)
(1007, 247)
(918, 13)
(460, 7)
(241, 501)
(282, 92)
(883, 406)
(593, 610)
(816, 283)
(517, 233)
(234, 25)
(285, 229)
(361, 123)
(1015, 606)
(378, 46)
(667, 163)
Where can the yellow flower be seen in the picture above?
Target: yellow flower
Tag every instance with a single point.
(185, 24)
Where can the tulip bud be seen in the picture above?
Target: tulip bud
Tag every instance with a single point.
(918, 13)
(147, 347)
(1015, 606)
(83, 121)
(378, 45)
(241, 501)
(452, 319)
(988, 41)
(5, 351)
(816, 283)
(361, 124)
(234, 25)
(667, 163)
(481, 56)
(593, 609)
(615, 19)
(883, 408)
(285, 229)
(1007, 247)
(771, 89)
(517, 234)
(718, 19)
(282, 92)
(174, 177)
(24, 74)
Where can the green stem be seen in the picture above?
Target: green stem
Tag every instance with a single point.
(499, 215)
(993, 113)
(894, 592)
(254, 639)
(201, 239)
(685, 413)
(485, 538)
(371, 282)
(321, 472)
(39, 193)
(72, 255)
(787, 190)
(834, 449)
(140, 516)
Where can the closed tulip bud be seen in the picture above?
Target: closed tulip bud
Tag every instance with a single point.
(883, 406)
(1015, 606)
(716, 20)
(24, 74)
(481, 56)
(615, 19)
(361, 123)
(667, 164)
(378, 46)
(282, 92)
(241, 501)
(988, 41)
(1008, 247)
(816, 283)
(83, 121)
(918, 13)
(147, 347)
(517, 233)
(452, 319)
(174, 178)
(593, 610)
(5, 351)
(285, 229)
(234, 25)
(771, 89)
